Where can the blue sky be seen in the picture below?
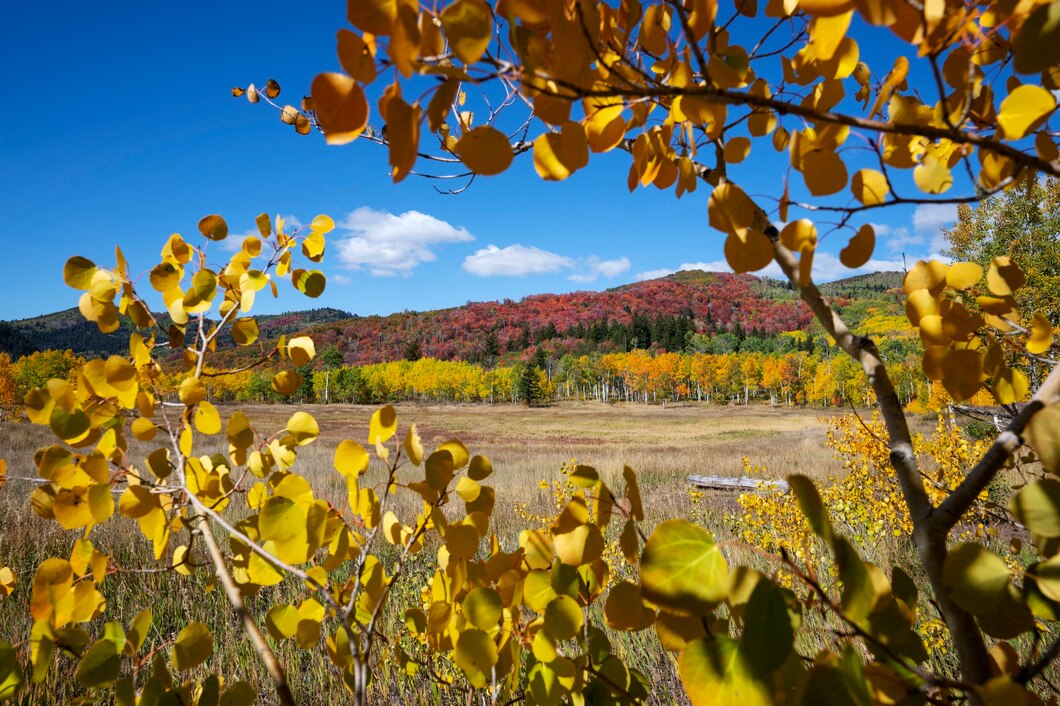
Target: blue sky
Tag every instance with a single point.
(121, 130)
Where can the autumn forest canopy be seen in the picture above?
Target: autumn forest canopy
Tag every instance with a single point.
(172, 540)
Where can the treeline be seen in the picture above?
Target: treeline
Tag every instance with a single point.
(792, 378)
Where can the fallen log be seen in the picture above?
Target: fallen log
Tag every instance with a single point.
(737, 483)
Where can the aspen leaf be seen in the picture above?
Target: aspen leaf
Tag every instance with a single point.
(480, 468)
(963, 275)
(975, 577)
(563, 618)
(1041, 338)
(461, 541)
(1043, 435)
(303, 428)
(682, 569)
(7, 581)
(1045, 147)
(624, 608)
(468, 25)
(374, 16)
(929, 275)
(869, 187)
(1024, 110)
(1037, 507)
(737, 149)
(748, 250)
(584, 476)
(825, 8)
(193, 646)
(282, 524)
(355, 57)
(100, 664)
(403, 132)
(11, 677)
(286, 382)
(301, 350)
(714, 672)
(340, 106)
(207, 419)
(475, 652)
(558, 155)
(414, 448)
(482, 607)
(729, 209)
(581, 545)
(860, 248)
(467, 489)
(213, 227)
(351, 459)
(244, 332)
(485, 150)
(1004, 276)
(79, 272)
(191, 391)
(825, 173)
(383, 425)
(932, 176)
(799, 235)
(143, 429)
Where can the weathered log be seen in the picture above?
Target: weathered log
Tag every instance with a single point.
(737, 483)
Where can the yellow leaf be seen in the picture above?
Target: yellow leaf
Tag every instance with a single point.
(193, 646)
(1004, 276)
(869, 187)
(963, 275)
(480, 468)
(1043, 435)
(825, 173)
(383, 425)
(1024, 109)
(413, 447)
(207, 419)
(558, 155)
(191, 391)
(825, 8)
(286, 382)
(729, 209)
(737, 149)
(748, 250)
(144, 429)
(351, 459)
(1041, 338)
(301, 350)
(475, 652)
(860, 248)
(582, 545)
(932, 176)
(79, 273)
(563, 618)
(929, 275)
(282, 526)
(303, 428)
(468, 25)
(715, 672)
(682, 569)
(213, 227)
(355, 57)
(485, 150)
(403, 131)
(341, 107)
(799, 235)
(244, 332)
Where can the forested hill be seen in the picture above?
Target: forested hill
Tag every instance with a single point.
(663, 313)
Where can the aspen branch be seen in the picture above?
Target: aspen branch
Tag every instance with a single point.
(953, 507)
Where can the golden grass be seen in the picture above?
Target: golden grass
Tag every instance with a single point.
(662, 443)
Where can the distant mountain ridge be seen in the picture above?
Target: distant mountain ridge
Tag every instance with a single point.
(663, 309)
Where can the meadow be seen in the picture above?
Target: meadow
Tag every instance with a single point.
(663, 443)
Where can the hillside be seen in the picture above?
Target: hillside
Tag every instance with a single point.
(660, 313)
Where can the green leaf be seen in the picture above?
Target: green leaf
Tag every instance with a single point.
(767, 633)
(194, 646)
(482, 607)
(475, 651)
(714, 673)
(682, 569)
(11, 677)
(975, 577)
(100, 665)
(1037, 507)
(811, 505)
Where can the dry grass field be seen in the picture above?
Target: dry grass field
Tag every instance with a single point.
(662, 443)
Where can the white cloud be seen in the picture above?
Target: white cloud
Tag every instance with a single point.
(515, 261)
(898, 239)
(387, 245)
(340, 279)
(595, 267)
(932, 216)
